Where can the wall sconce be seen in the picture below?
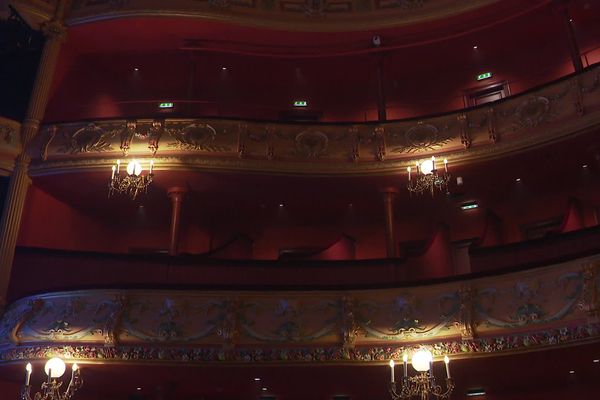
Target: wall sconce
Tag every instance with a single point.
(50, 390)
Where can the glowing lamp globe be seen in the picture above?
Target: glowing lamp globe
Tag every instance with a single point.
(426, 167)
(57, 366)
(134, 168)
(421, 360)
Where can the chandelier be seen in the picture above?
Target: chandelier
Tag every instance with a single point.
(423, 385)
(54, 368)
(428, 178)
(133, 182)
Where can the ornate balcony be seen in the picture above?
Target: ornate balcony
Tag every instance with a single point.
(551, 306)
(556, 112)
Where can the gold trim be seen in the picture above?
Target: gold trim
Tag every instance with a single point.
(355, 21)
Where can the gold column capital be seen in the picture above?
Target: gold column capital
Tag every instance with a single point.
(54, 29)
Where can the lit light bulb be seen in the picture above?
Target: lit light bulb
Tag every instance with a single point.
(56, 366)
(426, 167)
(421, 360)
(134, 168)
(28, 373)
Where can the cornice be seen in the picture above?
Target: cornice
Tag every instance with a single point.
(295, 15)
(290, 15)
(557, 112)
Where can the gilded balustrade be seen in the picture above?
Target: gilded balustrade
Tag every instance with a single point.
(550, 306)
(555, 112)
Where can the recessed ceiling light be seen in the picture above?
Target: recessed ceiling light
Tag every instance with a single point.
(264, 389)
(584, 166)
(281, 205)
(469, 206)
(518, 180)
(570, 19)
(571, 372)
(257, 379)
(139, 388)
(475, 47)
(136, 69)
(224, 68)
(475, 392)
(597, 360)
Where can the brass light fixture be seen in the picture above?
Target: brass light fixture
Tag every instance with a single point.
(428, 178)
(133, 182)
(423, 385)
(50, 390)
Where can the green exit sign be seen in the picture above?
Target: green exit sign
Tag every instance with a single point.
(301, 103)
(165, 105)
(485, 75)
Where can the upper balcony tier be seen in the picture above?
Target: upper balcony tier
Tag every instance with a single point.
(409, 58)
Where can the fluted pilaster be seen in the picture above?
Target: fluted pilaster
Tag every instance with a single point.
(389, 195)
(19, 180)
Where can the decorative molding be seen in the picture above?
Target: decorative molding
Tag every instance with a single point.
(488, 346)
(522, 122)
(511, 312)
(304, 15)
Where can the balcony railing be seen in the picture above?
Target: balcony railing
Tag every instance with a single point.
(522, 311)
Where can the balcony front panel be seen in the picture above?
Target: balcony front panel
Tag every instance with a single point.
(558, 111)
(551, 306)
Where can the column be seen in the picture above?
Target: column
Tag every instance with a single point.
(389, 195)
(55, 32)
(563, 9)
(381, 106)
(176, 194)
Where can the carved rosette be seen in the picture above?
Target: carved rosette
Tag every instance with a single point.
(533, 111)
(420, 137)
(311, 144)
(90, 138)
